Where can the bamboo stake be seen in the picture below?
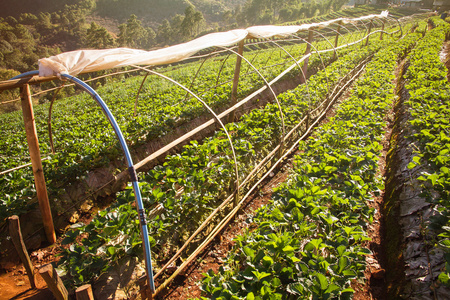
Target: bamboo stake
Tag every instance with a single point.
(20, 167)
(233, 102)
(382, 30)
(237, 72)
(10, 84)
(54, 282)
(16, 237)
(308, 51)
(84, 292)
(144, 289)
(38, 172)
(336, 40)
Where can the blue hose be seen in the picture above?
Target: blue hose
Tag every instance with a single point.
(131, 169)
(26, 74)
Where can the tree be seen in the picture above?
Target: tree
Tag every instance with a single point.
(164, 33)
(151, 37)
(227, 17)
(133, 34)
(6, 74)
(44, 22)
(192, 22)
(98, 37)
(176, 23)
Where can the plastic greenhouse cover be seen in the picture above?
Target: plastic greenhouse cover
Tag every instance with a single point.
(85, 61)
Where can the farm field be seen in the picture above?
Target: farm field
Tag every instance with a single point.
(81, 144)
(312, 239)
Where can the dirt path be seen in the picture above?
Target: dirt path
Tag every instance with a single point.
(16, 285)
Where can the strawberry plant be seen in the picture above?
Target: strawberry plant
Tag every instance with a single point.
(309, 242)
(428, 105)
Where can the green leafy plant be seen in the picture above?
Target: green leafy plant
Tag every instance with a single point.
(309, 242)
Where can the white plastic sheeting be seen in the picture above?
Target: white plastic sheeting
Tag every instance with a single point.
(260, 32)
(85, 61)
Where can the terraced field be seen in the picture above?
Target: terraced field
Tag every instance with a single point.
(312, 240)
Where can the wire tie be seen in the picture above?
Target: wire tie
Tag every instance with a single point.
(133, 174)
(142, 216)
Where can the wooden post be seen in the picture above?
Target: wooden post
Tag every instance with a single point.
(233, 101)
(336, 40)
(381, 33)
(54, 282)
(237, 72)
(16, 237)
(35, 154)
(308, 50)
(430, 24)
(84, 292)
(368, 32)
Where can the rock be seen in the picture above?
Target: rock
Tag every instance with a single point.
(86, 206)
(75, 217)
(20, 283)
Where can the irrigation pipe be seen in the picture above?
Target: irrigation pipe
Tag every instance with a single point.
(132, 171)
(69, 85)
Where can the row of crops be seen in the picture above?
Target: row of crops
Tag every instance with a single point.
(83, 140)
(428, 105)
(310, 242)
(194, 182)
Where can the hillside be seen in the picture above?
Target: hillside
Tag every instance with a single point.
(32, 29)
(150, 12)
